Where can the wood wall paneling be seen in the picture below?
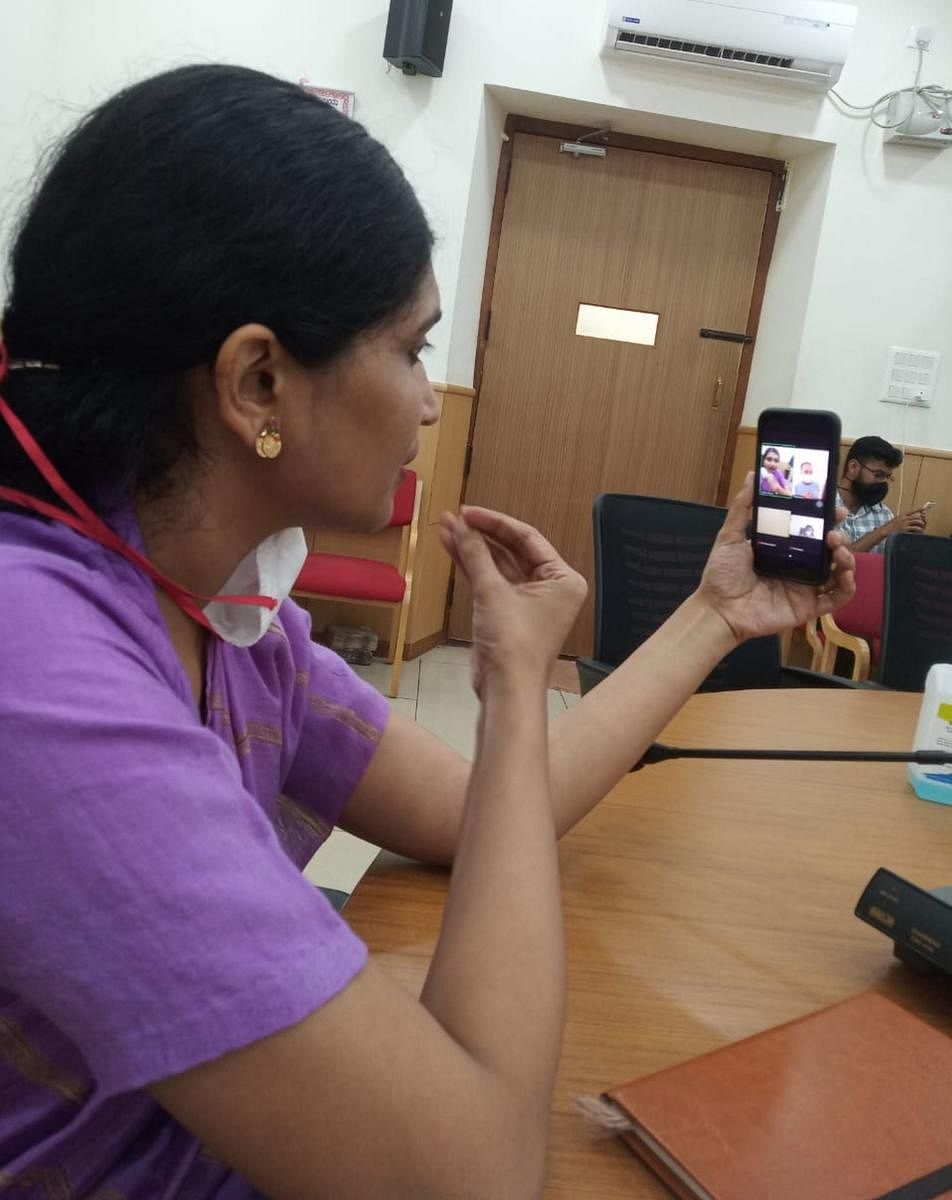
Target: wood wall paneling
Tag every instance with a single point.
(430, 586)
(453, 430)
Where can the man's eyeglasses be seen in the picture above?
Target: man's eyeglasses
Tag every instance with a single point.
(878, 473)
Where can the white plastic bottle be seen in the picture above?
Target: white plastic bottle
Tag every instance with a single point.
(934, 732)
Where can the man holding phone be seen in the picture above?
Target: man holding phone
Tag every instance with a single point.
(864, 482)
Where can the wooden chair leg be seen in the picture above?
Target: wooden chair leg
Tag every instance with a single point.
(408, 560)
(392, 635)
(785, 639)
(397, 643)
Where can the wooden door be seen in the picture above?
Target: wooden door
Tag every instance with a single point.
(562, 417)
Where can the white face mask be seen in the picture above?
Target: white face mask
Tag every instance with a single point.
(269, 570)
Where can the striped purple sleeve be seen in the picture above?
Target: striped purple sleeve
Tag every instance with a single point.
(341, 725)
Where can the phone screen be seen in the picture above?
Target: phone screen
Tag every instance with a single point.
(795, 492)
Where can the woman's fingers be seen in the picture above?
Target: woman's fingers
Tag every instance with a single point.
(522, 540)
(519, 553)
(840, 587)
(506, 562)
(735, 523)
(510, 567)
(469, 551)
(447, 535)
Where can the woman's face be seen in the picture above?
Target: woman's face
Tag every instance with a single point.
(363, 422)
(771, 460)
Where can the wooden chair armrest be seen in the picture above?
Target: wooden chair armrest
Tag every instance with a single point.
(815, 644)
(834, 638)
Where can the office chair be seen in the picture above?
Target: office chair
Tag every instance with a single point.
(368, 581)
(917, 623)
(857, 627)
(649, 556)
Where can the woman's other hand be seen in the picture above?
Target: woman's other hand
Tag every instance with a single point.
(754, 605)
(525, 596)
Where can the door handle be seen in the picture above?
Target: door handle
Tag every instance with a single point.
(716, 398)
(725, 335)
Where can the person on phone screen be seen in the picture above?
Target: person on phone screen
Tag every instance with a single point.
(773, 479)
(864, 482)
(807, 487)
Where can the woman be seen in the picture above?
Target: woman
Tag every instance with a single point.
(773, 481)
(219, 297)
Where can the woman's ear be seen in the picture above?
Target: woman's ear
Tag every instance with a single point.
(249, 380)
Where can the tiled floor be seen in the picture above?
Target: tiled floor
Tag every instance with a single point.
(434, 690)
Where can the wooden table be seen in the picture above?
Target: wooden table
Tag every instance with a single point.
(705, 901)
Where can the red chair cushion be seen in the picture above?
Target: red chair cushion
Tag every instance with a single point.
(403, 500)
(350, 578)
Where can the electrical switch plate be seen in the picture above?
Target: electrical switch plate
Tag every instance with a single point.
(910, 377)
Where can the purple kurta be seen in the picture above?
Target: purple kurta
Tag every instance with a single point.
(153, 914)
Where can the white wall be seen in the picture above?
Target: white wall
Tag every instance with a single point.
(863, 259)
(26, 91)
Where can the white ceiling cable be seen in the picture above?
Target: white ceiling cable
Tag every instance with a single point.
(933, 95)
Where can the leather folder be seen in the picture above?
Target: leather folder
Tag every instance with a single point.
(853, 1102)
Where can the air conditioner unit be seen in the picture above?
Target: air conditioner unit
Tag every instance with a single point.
(801, 41)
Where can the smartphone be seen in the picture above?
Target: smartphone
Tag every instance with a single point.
(795, 475)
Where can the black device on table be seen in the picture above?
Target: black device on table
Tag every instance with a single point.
(919, 922)
(798, 455)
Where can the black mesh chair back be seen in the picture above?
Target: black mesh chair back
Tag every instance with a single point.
(649, 556)
(917, 618)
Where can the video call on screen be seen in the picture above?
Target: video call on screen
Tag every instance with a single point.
(791, 483)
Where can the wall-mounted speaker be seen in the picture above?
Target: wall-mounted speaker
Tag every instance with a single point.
(416, 35)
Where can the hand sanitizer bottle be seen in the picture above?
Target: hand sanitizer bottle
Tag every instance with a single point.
(934, 732)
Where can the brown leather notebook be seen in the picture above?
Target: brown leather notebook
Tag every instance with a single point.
(850, 1103)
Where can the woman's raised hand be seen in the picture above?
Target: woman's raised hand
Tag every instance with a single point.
(754, 605)
(525, 596)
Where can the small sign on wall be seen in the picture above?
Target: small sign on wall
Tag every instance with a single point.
(345, 102)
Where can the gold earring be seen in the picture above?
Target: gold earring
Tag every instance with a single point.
(268, 441)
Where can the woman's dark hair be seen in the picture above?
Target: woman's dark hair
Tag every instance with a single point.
(183, 207)
(769, 450)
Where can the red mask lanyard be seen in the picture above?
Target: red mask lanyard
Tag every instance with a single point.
(85, 521)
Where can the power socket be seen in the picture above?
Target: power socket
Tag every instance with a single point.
(920, 37)
(910, 377)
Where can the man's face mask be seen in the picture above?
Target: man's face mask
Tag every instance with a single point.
(870, 493)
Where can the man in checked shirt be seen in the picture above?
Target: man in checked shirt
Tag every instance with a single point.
(864, 482)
